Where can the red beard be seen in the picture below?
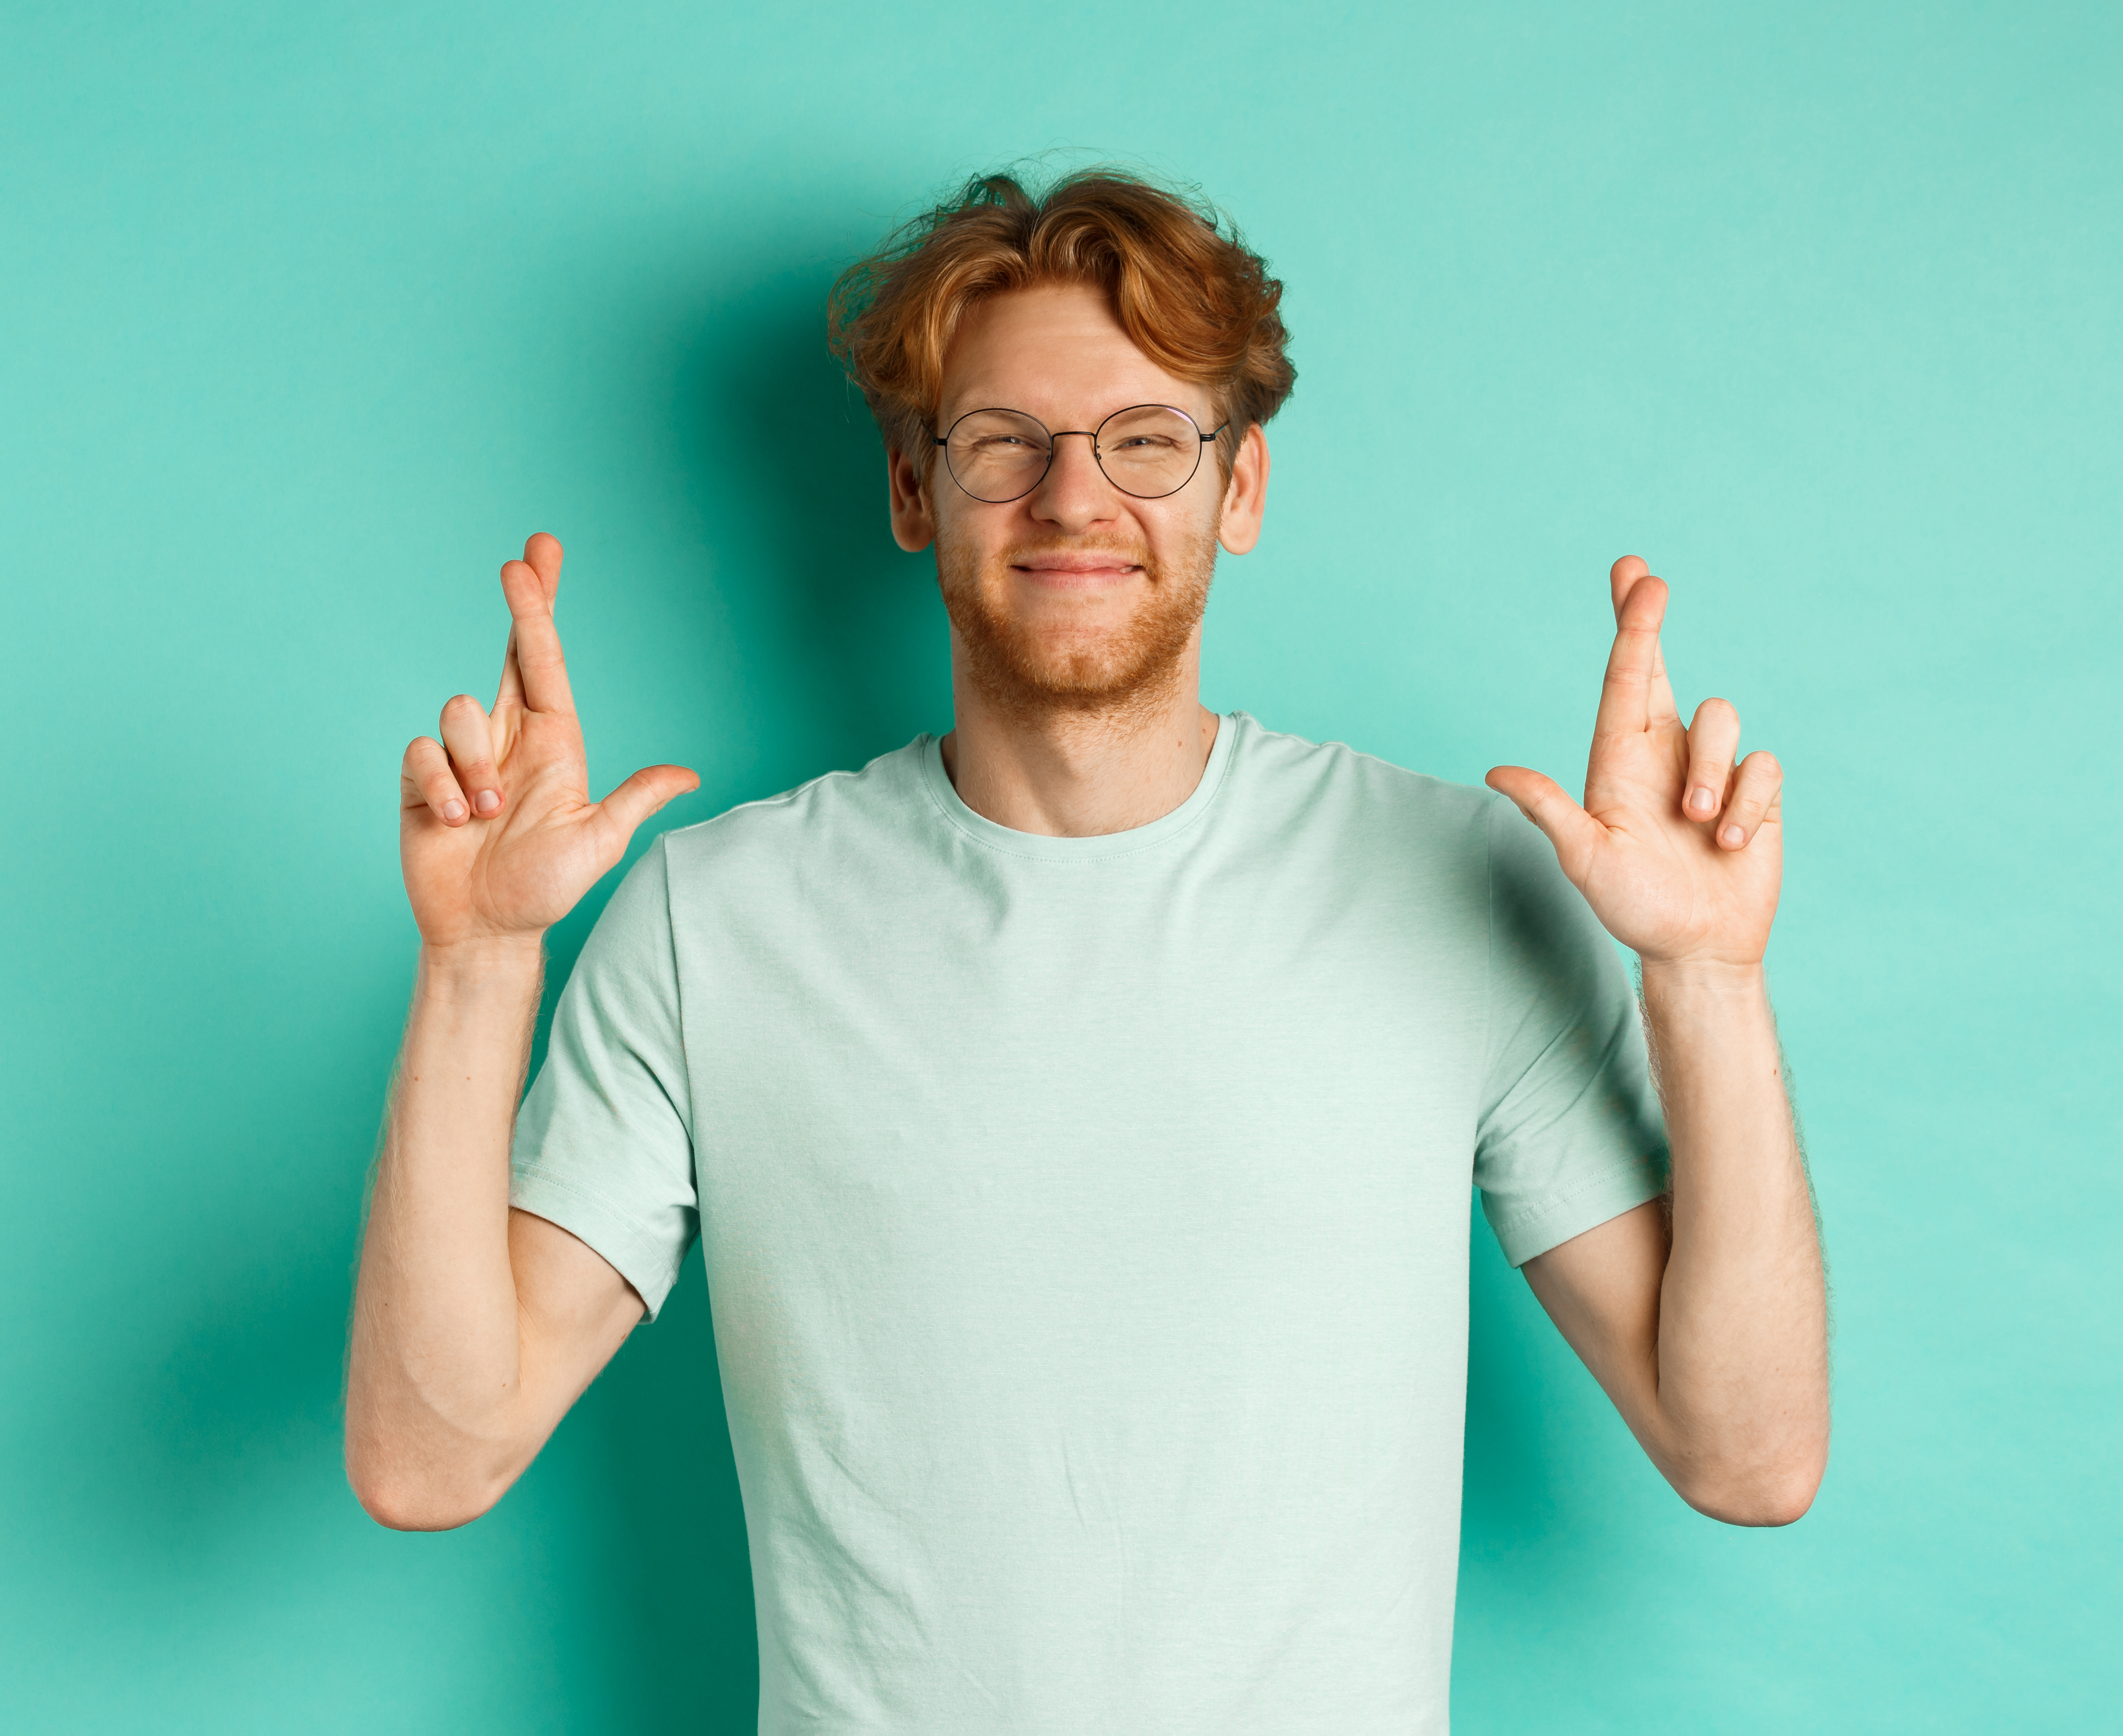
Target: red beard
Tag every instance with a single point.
(1032, 670)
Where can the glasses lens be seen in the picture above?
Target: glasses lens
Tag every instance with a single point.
(997, 454)
(1150, 451)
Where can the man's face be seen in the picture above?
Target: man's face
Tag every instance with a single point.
(1076, 596)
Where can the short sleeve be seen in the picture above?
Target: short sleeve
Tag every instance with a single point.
(603, 1145)
(1571, 1133)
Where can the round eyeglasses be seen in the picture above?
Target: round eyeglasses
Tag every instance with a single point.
(1147, 450)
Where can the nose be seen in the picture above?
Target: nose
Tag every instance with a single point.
(1074, 495)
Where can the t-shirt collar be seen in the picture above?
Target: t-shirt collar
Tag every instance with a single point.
(1159, 832)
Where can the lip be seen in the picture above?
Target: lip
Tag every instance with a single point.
(1075, 572)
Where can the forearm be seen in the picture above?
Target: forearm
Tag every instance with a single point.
(1740, 1408)
(435, 1389)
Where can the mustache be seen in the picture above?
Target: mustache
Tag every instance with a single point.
(1134, 552)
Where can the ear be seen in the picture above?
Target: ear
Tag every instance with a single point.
(913, 519)
(1245, 496)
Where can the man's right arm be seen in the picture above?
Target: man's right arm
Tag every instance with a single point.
(475, 1326)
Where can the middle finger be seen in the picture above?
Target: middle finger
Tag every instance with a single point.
(1713, 740)
(471, 742)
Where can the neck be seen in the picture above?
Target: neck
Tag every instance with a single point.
(1078, 771)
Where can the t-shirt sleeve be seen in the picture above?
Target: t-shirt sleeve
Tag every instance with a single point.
(603, 1145)
(1571, 1131)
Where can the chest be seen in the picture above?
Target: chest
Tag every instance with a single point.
(1013, 1075)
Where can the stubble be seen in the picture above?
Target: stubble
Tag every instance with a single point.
(1035, 671)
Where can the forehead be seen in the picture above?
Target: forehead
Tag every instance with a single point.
(1057, 353)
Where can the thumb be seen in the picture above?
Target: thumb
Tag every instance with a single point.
(1574, 832)
(640, 796)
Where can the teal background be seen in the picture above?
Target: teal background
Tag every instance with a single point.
(310, 315)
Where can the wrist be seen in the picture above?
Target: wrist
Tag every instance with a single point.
(1718, 979)
(487, 963)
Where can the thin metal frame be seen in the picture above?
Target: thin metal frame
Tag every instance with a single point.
(943, 440)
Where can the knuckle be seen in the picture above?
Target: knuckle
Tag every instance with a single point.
(461, 706)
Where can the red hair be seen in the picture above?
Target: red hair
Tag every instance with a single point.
(1183, 283)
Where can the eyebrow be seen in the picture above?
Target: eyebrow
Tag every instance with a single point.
(1199, 416)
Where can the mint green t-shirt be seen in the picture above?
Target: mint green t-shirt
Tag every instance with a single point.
(1086, 1220)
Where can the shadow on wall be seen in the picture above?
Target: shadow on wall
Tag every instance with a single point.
(769, 424)
(1509, 1492)
(657, 1450)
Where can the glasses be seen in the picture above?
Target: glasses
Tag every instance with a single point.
(1147, 450)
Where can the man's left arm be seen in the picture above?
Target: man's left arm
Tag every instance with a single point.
(1704, 1317)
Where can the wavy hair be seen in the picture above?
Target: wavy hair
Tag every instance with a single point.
(1182, 282)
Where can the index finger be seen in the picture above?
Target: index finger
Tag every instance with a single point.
(1626, 696)
(541, 553)
(1621, 580)
(535, 661)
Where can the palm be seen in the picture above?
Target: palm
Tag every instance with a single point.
(525, 868)
(516, 871)
(1670, 882)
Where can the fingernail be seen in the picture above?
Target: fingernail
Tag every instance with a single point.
(1702, 801)
(453, 812)
(486, 801)
(1734, 836)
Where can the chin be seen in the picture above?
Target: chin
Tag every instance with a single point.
(1025, 666)
(1072, 661)
(1082, 675)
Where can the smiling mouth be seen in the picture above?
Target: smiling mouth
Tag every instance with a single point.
(1073, 572)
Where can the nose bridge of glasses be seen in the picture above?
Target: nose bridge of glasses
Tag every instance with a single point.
(1055, 440)
(1059, 434)
(1070, 478)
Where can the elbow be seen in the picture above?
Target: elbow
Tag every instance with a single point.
(400, 1500)
(1786, 1504)
(1780, 1492)
(400, 1507)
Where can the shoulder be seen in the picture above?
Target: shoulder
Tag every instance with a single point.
(878, 798)
(1455, 850)
(1332, 781)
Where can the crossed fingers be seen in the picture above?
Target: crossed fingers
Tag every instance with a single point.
(534, 674)
(459, 777)
(1733, 802)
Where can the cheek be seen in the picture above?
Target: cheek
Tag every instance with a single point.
(969, 535)
(963, 553)
(1176, 536)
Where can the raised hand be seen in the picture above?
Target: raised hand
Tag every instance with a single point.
(1678, 852)
(496, 831)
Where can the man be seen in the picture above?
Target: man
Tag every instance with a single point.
(1078, 1112)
